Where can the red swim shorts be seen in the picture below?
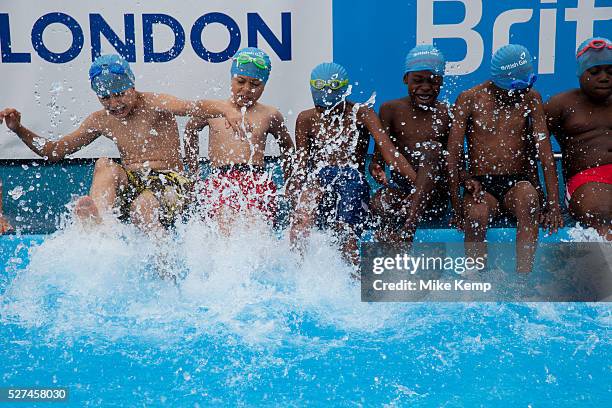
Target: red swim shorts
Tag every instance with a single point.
(601, 174)
(240, 187)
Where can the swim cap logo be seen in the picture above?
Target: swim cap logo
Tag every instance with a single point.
(522, 61)
(426, 53)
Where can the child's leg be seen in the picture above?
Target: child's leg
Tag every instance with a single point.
(428, 171)
(304, 216)
(591, 204)
(225, 217)
(477, 215)
(144, 213)
(348, 242)
(523, 201)
(388, 205)
(108, 177)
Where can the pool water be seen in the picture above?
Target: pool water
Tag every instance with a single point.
(253, 325)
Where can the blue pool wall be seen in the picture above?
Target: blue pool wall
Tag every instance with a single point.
(48, 188)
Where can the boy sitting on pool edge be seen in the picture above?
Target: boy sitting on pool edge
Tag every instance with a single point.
(581, 120)
(239, 183)
(503, 119)
(418, 125)
(149, 186)
(329, 184)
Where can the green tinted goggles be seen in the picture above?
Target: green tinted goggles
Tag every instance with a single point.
(246, 58)
(333, 84)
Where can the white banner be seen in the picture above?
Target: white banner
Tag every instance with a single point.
(47, 49)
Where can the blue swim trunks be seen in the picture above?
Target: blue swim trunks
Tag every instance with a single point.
(346, 196)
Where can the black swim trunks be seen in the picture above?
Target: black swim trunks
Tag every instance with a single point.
(498, 185)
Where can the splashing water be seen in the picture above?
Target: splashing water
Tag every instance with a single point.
(252, 322)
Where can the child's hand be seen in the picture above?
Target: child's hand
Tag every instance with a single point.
(12, 117)
(236, 121)
(5, 226)
(475, 189)
(456, 222)
(378, 173)
(553, 219)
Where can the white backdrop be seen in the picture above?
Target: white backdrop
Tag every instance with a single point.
(55, 98)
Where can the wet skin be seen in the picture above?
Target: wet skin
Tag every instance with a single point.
(413, 121)
(581, 121)
(500, 137)
(144, 129)
(226, 146)
(335, 137)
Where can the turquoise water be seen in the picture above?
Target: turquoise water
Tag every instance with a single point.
(250, 325)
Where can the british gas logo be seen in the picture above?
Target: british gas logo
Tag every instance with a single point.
(520, 62)
(126, 45)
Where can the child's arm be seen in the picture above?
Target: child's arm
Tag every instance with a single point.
(542, 142)
(377, 165)
(456, 166)
(52, 150)
(532, 170)
(278, 129)
(4, 224)
(204, 109)
(390, 154)
(553, 109)
(302, 153)
(192, 145)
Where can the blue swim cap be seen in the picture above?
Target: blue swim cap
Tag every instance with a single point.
(252, 62)
(593, 57)
(512, 67)
(328, 71)
(110, 74)
(425, 58)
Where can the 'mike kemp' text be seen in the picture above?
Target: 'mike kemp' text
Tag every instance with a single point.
(433, 285)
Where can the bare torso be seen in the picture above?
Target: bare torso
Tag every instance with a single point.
(226, 147)
(336, 139)
(410, 127)
(147, 139)
(583, 129)
(498, 134)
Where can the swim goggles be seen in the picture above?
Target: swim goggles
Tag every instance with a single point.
(246, 58)
(333, 84)
(114, 68)
(520, 84)
(596, 45)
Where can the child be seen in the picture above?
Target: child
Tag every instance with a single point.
(239, 182)
(332, 140)
(5, 226)
(502, 118)
(581, 120)
(419, 125)
(148, 186)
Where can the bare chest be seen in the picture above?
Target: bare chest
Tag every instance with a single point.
(254, 130)
(144, 132)
(491, 119)
(409, 131)
(579, 122)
